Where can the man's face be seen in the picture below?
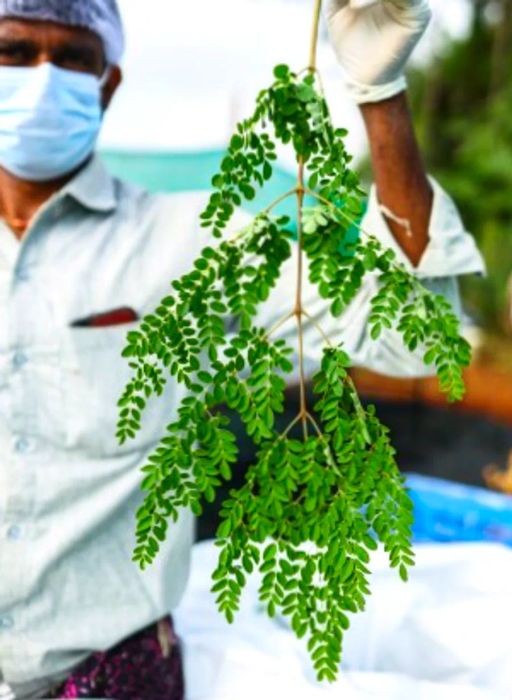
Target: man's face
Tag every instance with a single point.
(31, 43)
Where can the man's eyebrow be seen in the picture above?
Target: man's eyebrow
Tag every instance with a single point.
(8, 43)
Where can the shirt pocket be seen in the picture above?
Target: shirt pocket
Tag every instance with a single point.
(94, 377)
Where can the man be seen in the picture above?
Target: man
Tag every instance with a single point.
(80, 253)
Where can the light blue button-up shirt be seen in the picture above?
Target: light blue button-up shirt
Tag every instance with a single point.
(68, 492)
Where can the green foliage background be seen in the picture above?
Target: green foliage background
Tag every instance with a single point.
(463, 107)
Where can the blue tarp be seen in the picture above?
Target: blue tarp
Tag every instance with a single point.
(448, 512)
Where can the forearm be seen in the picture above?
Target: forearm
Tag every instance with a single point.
(400, 177)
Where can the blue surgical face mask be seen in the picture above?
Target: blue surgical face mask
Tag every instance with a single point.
(49, 120)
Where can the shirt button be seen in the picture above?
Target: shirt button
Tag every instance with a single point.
(21, 445)
(14, 533)
(6, 622)
(19, 359)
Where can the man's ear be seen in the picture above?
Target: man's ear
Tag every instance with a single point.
(114, 80)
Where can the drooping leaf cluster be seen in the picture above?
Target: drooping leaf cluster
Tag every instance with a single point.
(310, 511)
(402, 303)
(291, 111)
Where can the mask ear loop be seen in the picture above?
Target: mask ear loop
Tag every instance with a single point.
(102, 81)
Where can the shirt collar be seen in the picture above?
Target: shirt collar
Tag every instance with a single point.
(93, 187)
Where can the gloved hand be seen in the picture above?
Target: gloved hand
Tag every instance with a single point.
(373, 40)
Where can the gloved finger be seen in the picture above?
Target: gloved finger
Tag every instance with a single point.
(410, 10)
(361, 4)
(407, 4)
(334, 6)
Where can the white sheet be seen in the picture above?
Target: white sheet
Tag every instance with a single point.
(446, 635)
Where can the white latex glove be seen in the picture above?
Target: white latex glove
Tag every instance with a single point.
(373, 40)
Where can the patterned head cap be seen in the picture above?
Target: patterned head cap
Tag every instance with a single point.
(100, 16)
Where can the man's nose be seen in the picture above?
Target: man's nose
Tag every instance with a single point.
(42, 57)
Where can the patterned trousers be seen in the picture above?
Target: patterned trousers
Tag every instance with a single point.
(147, 666)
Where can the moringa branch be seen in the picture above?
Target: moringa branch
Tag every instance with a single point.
(310, 509)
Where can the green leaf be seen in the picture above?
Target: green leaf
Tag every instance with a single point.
(376, 331)
(224, 529)
(403, 573)
(337, 307)
(270, 552)
(281, 72)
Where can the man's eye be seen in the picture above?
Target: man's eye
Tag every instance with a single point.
(14, 55)
(78, 62)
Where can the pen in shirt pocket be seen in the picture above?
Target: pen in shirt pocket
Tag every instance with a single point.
(105, 319)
